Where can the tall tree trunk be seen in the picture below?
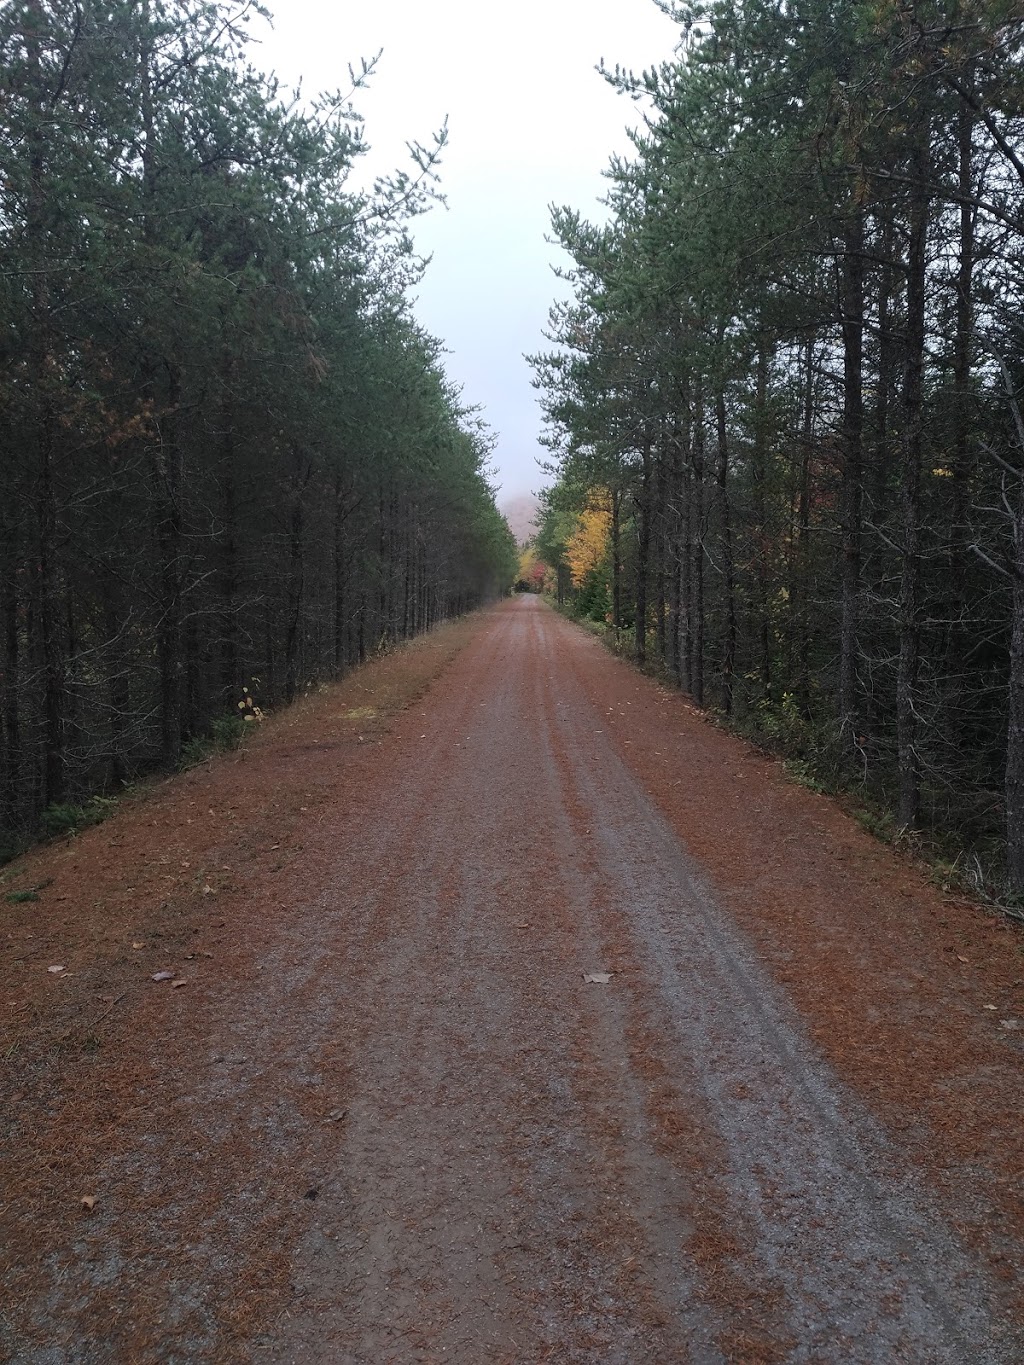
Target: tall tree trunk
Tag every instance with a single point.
(851, 276)
(910, 491)
(882, 477)
(230, 671)
(49, 619)
(10, 791)
(338, 549)
(963, 453)
(658, 520)
(41, 380)
(728, 566)
(296, 581)
(674, 556)
(408, 626)
(167, 478)
(165, 461)
(1014, 779)
(802, 575)
(616, 537)
(759, 471)
(686, 588)
(1013, 785)
(887, 366)
(684, 536)
(383, 568)
(118, 689)
(643, 552)
(697, 575)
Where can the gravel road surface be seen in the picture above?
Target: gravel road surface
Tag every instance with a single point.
(395, 1121)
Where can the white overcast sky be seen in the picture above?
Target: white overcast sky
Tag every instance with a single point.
(530, 123)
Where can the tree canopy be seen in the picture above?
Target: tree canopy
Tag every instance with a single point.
(231, 457)
(793, 356)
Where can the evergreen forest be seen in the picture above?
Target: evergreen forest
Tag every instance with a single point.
(785, 399)
(231, 463)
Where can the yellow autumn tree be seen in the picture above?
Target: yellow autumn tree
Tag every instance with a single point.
(588, 546)
(532, 570)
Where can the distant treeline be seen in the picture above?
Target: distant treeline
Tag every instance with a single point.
(230, 458)
(787, 405)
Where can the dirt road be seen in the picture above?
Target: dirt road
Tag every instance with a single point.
(389, 1119)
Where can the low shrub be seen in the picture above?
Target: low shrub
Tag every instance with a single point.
(11, 847)
(225, 734)
(63, 818)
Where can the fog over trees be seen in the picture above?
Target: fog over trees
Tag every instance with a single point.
(231, 461)
(791, 382)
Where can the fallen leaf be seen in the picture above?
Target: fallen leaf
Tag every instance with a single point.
(88, 1202)
(988, 1007)
(597, 978)
(176, 985)
(962, 959)
(138, 945)
(1010, 1023)
(207, 890)
(336, 1115)
(162, 976)
(56, 969)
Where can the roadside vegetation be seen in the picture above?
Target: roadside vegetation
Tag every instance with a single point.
(785, 403)
(231, 458)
